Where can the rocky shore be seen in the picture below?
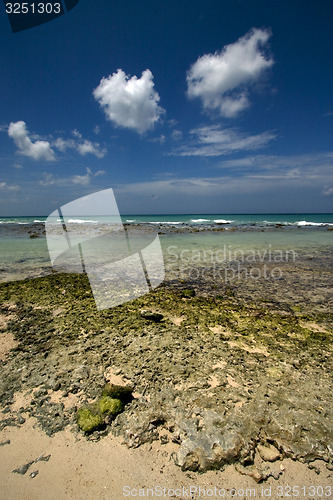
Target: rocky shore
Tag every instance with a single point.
(225, 375)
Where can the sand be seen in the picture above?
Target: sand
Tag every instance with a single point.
(107, 469)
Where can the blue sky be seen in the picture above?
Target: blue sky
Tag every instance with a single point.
(222, 106)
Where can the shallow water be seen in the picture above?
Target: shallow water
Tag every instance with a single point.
(24, 252)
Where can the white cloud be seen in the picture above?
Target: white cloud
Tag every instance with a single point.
(176, 135)
(86, 147)
(214, 141)
(38, 150)
(99, 172)
(327, 191)
(9, 187)
(256, 183)
(63, 144)
(222, 79)
(77, 134)
(130, 102)
(48, 179)
(310, 166)
(160, 139)
(80, 145)
(84, 180)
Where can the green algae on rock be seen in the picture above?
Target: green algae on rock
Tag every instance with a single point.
(91, 418)
(110, 406)
(122, 392)
(222, 371)
(88, 421)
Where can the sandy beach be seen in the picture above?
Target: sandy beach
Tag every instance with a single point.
(230, 381)
(166, 250)
(107, 469)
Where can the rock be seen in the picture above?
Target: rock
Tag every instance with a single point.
(267, 472)
(108, 420)
(33, 474)
(23, 469)
(252, 472)
(188, 293)
(74, 388)
(151, 316)
(81, 372)
(209, 448)
(87, 421)
(164, 439)
(192, 462)
(40, 392)
(268, 453)
(110, 406)
(43, 458)
(20, 419)
(5, 442)
(56, 386)
(93, 417)
(122, 392)
(268, 382)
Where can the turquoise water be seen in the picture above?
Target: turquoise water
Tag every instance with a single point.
(24, 257)
(197, 220)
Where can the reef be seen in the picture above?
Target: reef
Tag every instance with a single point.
(221, 373)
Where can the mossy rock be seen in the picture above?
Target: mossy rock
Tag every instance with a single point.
(188, 293)
(124, 393)
(88, 421)
(91, 418)
(151, 316)
(110, 406)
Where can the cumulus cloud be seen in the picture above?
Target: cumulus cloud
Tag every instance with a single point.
(80, 145)
(214, 141)
(84, 180)
(222, 79)
(130, 102)
(38, 150)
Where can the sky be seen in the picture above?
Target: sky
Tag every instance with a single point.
(215, 106)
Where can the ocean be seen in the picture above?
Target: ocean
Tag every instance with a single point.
(196, 220)
(187, 240)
